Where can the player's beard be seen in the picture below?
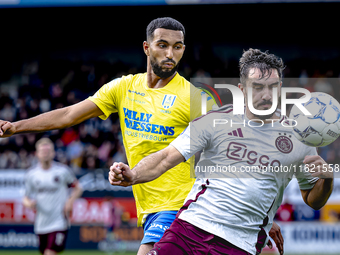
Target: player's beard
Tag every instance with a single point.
(263, 117)
(158, 70)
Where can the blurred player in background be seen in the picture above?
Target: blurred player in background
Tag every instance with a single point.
(47, 191)
(153, 108)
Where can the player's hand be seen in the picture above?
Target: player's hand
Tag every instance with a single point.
(275, 234)
(318, 167)
(121, 175)
(32, 204)
(7, 129)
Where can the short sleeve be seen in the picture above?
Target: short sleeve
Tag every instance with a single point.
(304, 177)
(29, 188)
(107, 97)
(69, 177)
(194, 138)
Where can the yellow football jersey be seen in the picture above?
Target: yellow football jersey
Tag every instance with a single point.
(150, 120)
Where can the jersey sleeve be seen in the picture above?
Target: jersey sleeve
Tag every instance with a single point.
(304, 177)
(69, 177)
(29, 188)
(194, 138)
(108, 96)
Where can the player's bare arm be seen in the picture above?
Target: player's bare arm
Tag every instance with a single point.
(319, 194)
(275, 234)
(56, 119)
(148, 169)
(77, 191)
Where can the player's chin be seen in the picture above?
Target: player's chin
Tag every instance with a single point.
(168, 69)
(264, 107)
(166, 73)
(264, 117)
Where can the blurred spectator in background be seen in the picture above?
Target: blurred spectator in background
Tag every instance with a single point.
(322, 85)
(33, 97)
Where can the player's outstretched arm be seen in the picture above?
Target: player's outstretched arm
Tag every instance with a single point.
(148, 169)
(319, 194)
(56, 119)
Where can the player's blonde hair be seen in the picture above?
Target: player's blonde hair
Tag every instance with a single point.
(42, 141)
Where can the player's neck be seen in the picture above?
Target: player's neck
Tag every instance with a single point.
(154, 81)
(45, 164)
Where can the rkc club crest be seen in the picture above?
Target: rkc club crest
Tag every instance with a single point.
(168, 101)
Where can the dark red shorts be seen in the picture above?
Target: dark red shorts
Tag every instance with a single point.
(54, 241)
(184, 238)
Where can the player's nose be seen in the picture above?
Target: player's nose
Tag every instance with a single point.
(267, 94)
(169, 53)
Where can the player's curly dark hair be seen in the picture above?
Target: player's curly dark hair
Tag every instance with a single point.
(254, 58)
(167, 23)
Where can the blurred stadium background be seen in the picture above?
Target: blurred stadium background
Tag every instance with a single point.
(55, 53)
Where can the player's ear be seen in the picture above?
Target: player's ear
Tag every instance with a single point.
(241, 87)
(146, 48)
(279, 88)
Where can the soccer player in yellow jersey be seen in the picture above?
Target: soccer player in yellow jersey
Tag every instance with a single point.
(154, 108)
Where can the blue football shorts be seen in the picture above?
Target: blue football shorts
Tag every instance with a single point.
(156, 224)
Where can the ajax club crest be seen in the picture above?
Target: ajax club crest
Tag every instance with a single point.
(284, 144)
(168, 101)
